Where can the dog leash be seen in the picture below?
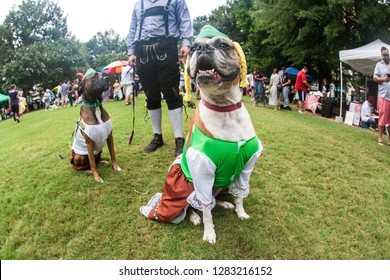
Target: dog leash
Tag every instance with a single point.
(133, 100)
(132, 132)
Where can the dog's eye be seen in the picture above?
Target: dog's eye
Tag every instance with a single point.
(224, 45)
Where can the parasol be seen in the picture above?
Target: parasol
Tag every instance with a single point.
(114, 67)
(81, 75)
(55, 88)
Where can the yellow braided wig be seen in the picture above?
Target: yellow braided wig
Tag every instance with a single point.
(241, 54)
(187, 79)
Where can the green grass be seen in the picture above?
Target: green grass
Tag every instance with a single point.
(319, 191)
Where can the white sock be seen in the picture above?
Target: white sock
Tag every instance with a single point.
(155, 117)
(177, 122)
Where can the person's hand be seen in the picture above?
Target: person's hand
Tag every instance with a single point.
(183, 54)
(132, 59)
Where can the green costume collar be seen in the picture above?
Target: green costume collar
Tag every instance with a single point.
(92, 105)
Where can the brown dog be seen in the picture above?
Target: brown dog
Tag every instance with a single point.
(94, 127)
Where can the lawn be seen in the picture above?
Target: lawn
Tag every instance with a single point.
(319, 191)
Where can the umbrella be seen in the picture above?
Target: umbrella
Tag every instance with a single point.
(55, 89)
(3, 98)
(80, 74)
(114, 67)
(293, 73)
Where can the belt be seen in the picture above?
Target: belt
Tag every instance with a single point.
(156, 40)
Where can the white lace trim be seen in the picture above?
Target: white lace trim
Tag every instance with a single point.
(153, 202)
(195, 202)
(239, 191)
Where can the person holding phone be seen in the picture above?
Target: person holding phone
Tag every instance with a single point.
(382, 77)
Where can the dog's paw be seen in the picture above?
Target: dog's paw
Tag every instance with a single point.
(194, 217)
(210, 236)
(225, 204)
(99, 179)
(116, 167)
(241, 214)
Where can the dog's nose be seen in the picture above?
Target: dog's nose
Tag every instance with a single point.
(204, 48)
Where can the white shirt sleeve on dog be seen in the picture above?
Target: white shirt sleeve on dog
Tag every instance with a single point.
(202, 173)
(240, 186)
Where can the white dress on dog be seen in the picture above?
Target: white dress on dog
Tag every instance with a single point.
(98, 133)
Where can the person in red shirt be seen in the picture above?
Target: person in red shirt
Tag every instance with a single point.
(302, 87)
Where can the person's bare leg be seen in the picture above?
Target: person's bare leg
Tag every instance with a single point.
(380, 134)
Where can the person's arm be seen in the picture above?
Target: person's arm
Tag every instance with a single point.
(377, 75)
(380, 80)
(184, 22)
(131, 40)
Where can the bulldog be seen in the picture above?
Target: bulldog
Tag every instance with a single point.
(94, 127)
(221, 147)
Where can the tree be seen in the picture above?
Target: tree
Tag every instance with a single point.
(45, 63)
(312, 32)
(105, 47)
(36, 21)
(37, 47)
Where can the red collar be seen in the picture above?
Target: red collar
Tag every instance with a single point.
(224, 109)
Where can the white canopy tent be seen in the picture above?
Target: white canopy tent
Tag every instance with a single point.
(362, 59)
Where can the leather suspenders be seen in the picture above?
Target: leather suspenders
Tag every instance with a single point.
(155, 11)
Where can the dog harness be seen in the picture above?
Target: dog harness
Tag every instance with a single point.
(98, 133)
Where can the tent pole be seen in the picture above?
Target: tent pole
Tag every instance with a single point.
(365, 89)
(341, 89)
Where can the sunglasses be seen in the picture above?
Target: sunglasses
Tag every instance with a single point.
(386, 55)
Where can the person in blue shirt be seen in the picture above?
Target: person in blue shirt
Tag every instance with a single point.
(156, 28)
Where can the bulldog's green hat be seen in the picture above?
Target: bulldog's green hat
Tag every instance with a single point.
(209, 32)
(90, 71)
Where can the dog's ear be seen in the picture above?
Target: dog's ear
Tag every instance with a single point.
(81, 87)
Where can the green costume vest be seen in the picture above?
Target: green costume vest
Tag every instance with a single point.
(228, 157)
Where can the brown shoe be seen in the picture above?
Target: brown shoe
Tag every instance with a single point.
(179, 146)
(156, 143)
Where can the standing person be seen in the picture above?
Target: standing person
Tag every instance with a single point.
(70, 94)
(273, 84)
(64, 93)
(46, 98)
(382, 77)
(59, 93)
(258, 83)
(285, 81)
(117, 91)
(13, 102)
(76, 92)
(326, 87)
(156, 28)
(127, 82)
(302, 87)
